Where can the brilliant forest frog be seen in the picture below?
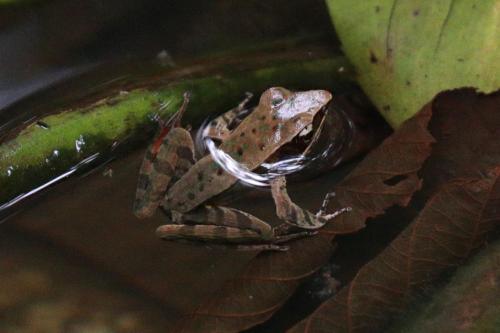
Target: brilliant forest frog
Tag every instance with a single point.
(170, 176)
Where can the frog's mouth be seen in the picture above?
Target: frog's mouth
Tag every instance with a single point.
(301, 142)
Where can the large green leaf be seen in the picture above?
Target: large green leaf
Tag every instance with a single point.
(406, 51)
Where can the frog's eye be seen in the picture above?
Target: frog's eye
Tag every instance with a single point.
(277, 100)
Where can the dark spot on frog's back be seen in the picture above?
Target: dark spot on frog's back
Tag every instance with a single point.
(164, 168)
(239, 151)
(143, 182)
(191, 196)
(373, 58)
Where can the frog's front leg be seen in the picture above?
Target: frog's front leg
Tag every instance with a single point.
(293, 214)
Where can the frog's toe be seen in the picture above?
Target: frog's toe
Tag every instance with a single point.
(333, 215)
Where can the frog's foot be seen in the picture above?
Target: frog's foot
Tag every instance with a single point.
(286, 232)
(322, 211)
(292, 214)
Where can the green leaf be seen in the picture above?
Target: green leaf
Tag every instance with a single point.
(407, 51)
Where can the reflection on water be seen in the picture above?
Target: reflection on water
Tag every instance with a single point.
(240, 171)
(84, 163)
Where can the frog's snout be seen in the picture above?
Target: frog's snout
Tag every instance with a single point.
(321, 97)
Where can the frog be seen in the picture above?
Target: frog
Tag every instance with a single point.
(173, 179)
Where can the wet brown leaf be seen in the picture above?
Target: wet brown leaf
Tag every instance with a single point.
(469, 303)
(462, 177)
(383, 178)
(466, 126)
(453, 223)
(270, 279)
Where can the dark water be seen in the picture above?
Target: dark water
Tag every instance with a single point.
(90, 220)
(76, 256)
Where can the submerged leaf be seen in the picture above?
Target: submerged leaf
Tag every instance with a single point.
(453, 223)
(379, 182)
(469, 303)
(408, 51)
(461, 176)
(386, 177)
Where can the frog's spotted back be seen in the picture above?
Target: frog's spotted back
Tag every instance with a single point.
(280, 116)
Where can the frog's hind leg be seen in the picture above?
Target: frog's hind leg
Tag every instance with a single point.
(210, 233)
(228, 225)
(220, 223)
(293, 214)
(161, 168)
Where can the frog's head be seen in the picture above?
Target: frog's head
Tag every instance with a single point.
(298, 108)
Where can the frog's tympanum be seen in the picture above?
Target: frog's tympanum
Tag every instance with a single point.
(170, 176)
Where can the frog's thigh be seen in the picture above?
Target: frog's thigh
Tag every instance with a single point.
(290, 212)
(231, 218)
(174, 157)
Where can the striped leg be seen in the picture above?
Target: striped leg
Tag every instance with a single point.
(294, 215)
(229, 225)
(209, 233)
(224, 223)
(172, 158)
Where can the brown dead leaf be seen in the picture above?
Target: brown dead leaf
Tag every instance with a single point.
(466, 126)
(382, 180)
(454, 222)
(462, 177)
(386, 177)
(468, 303)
